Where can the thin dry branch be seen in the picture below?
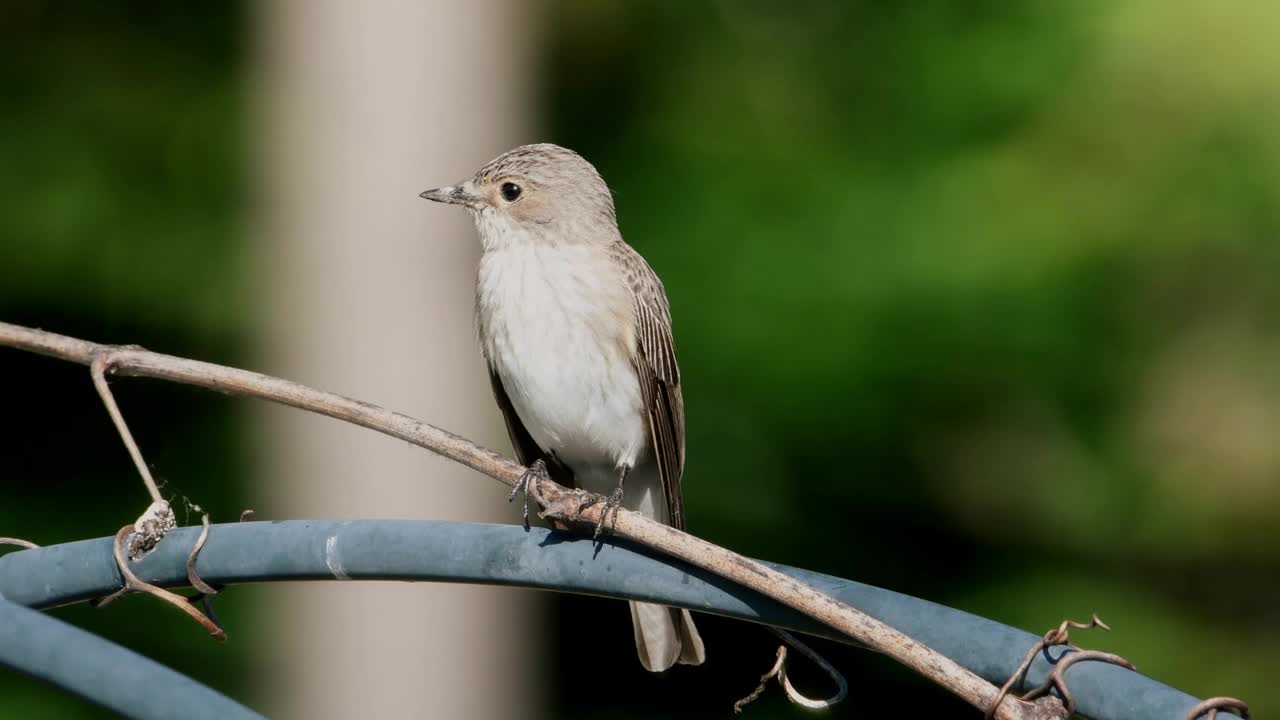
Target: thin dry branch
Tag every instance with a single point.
(103, 363)
(560, 503)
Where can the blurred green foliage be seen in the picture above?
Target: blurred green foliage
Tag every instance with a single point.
(122, 179)
(975, 300)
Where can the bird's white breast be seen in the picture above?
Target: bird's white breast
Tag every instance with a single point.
(555, 322)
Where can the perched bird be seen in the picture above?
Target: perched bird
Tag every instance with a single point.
(576, 330)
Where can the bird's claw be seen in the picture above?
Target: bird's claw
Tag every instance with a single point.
(610, 512)
(536, 473)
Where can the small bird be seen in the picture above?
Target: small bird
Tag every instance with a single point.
(576, 330)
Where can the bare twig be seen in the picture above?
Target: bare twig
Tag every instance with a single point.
(559, 503)
(103, 362)
(158, 519)
(137, 362)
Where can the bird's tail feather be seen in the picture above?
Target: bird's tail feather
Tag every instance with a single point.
(665, 636)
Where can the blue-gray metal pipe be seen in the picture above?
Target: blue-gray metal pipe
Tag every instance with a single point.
(537, 558)
(114, 677)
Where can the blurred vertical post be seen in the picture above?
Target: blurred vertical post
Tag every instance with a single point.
(367, 290)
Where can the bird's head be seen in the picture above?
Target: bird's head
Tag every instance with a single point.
(535, 193)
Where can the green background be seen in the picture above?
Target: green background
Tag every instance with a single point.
(979, 301)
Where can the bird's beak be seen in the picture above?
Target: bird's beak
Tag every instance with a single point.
(454, 195)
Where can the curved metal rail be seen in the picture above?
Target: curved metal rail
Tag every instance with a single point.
(114, 677)
(537, 558)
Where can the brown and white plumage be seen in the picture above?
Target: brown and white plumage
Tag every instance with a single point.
(576, 330)
(655, 362)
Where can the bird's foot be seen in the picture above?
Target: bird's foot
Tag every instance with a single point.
(610, 512)
(536, 473)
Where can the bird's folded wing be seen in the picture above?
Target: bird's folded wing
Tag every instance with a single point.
(655, 362)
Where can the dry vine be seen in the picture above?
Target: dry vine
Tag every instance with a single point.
(132, 583)
(559, 503)
(779, 672)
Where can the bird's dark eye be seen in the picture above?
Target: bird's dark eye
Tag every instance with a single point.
(510, 191)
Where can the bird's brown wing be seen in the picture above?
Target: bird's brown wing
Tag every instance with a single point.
(655, 362)
(527, 451)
